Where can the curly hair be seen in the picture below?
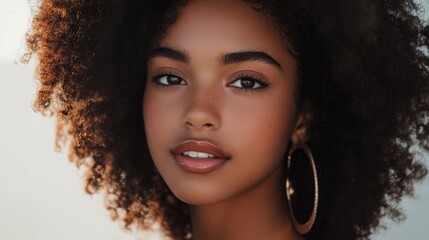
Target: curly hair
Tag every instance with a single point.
(363, 66)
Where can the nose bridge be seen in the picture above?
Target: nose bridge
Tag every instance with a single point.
(203, 107)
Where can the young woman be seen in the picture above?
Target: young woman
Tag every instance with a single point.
(237, 119)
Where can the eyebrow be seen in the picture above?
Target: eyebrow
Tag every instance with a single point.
(168, 53)
(229, 58)
(237, 57)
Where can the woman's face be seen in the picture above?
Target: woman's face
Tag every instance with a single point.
(219, 107)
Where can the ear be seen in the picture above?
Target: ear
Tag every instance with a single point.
(303, 124)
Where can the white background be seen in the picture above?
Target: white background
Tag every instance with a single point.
(41, 192)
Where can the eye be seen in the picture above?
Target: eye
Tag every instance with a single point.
(169, 80)
(248, 83)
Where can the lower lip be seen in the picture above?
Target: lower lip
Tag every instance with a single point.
(198, 165)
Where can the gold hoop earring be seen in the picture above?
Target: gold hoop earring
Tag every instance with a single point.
(302, 228)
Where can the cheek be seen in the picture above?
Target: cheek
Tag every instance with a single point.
(160, 111)
(158, 121)
(152, 114)
(259, 134)
(264, 125)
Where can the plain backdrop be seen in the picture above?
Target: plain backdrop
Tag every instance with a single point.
(41, 192)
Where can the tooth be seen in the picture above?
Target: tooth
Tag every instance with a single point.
(203, 155)
(193, 154)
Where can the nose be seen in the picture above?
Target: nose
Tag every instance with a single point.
(203, 109)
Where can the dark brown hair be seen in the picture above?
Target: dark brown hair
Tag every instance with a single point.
(363, 66)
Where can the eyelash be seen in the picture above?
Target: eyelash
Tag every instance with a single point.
(156, 78)
(257, 79)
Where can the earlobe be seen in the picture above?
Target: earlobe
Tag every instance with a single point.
(302, 126)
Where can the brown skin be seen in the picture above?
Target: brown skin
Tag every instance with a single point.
(90, 69)
(245, 197)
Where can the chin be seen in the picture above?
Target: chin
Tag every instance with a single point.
(198, 195)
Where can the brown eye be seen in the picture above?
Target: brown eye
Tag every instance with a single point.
(247, 83)
(169, 80)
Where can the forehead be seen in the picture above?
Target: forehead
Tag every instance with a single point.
(222, 24)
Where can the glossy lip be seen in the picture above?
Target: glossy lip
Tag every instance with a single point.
(199, 165)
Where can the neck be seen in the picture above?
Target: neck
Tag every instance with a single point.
(259, 213)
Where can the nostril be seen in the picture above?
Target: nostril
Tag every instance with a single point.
(197, 126)
(188, 124)
(209, 125)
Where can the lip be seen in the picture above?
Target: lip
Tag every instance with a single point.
(199, 165)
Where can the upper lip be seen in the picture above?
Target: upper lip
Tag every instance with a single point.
(200, 146)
